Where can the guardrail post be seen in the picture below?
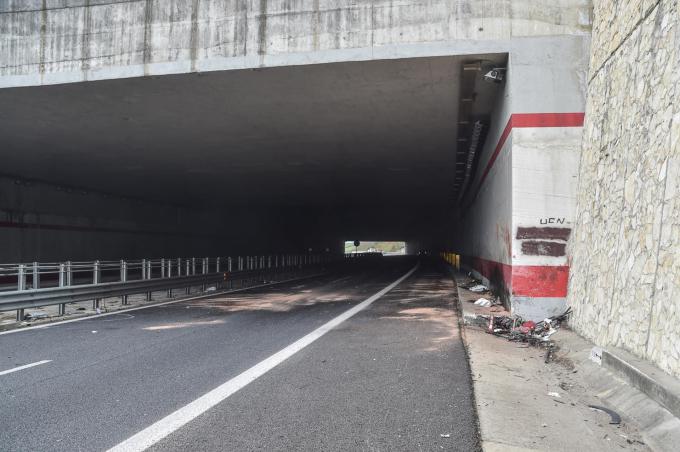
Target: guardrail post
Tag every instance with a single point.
(217, 270)
(163, 268)
(123, 278)
(96, 279)
(169, 274)
(146, 274)
(204, 271)
(36, 275)
(21, 285)
(62, 283)
(193, 265)
(229, 264)
(188, 272)
(69, 273)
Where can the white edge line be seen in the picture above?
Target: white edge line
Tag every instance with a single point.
(26, 366)
(137, 308)
(164, 427)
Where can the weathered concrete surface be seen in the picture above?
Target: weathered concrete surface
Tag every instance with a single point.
(519, 210)
(58, 41)
(625, 283)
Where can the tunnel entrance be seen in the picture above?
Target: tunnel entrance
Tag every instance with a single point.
(275, 159)
(386, 248)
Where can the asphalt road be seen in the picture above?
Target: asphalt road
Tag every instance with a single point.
(392, 377)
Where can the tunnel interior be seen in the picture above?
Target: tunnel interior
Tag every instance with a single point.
(261, 160)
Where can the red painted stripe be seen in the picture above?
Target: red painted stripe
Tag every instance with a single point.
(523, 120)
(534, 281)
(496, 272)
(540, 280)
(75, 228)
(526, 120)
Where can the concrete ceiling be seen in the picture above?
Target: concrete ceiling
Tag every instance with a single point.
(362, 134)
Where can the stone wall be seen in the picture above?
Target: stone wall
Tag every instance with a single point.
(625, 279)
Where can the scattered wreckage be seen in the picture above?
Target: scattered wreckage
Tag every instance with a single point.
(513, 328)
(516, 329)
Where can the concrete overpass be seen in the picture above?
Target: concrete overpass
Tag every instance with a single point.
(137, 129)
(156, 128)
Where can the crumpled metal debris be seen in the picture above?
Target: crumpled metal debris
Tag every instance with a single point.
(515, 329)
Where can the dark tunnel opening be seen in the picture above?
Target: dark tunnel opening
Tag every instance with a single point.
(277, 159)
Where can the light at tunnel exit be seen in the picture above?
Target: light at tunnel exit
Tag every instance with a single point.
(386, 248)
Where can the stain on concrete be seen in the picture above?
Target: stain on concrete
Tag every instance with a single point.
(545, 233)
(193, 39)
(542, 248)
(262, 29)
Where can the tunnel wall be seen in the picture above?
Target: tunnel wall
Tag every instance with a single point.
(518, 214)
(625, 280)
(45, 222)
(482, 234)
(64, 41)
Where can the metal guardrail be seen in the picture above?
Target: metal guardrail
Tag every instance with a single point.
(153, 275)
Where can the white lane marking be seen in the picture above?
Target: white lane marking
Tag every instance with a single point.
(26, 366)
(147, 306)
(159, 430)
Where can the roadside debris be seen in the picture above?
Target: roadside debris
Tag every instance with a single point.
(445, 435)
(483, 302)
(479, 288)
(35, 315)
(548, 354)
(554, 394)
(515, 329)
(615, 419)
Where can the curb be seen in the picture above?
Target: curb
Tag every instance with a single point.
(462, 331)
(653, 382)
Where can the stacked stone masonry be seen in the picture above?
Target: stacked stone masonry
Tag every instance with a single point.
(625, 271)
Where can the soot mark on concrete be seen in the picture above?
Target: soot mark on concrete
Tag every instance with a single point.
(547, 232)
(541, 248)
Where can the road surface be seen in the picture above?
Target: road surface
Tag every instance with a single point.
(257, 370)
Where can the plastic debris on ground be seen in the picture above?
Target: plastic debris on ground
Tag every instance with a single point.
(515, 329)
(483, 302)
(478, 288)
(36, 315)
